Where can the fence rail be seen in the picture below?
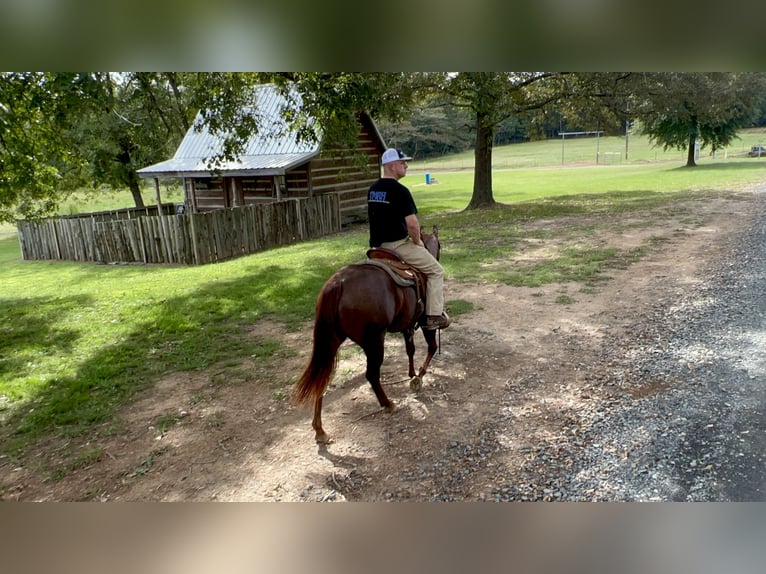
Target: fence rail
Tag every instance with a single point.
(127, 213)
(180, 238)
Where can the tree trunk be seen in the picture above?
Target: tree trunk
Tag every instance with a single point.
(482, 177)
(690, 154)
(135, 190)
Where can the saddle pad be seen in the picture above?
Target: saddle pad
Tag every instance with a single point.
(398, 279)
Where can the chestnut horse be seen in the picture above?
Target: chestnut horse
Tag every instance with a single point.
(362, 302)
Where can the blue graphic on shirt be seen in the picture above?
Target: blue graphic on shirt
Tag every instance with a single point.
(378, 197)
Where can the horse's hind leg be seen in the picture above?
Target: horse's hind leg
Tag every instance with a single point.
(374, 352)
(323, 369)
(320, 436)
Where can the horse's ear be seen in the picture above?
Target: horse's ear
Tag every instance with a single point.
(436, 231)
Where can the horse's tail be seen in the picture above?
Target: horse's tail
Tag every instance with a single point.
(324, 353)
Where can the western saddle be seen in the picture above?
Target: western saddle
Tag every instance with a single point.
(403, 274)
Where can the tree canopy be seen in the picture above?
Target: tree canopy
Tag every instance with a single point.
(60, 132)
(64, 131)
(34, 154)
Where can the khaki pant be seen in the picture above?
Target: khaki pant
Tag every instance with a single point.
(418, 256)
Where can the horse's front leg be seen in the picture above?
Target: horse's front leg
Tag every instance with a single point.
(417, 380)
(409, 344)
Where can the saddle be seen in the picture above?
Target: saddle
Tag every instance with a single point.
(403, 274)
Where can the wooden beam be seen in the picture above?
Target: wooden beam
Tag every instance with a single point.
(157, 193)
(191, 193)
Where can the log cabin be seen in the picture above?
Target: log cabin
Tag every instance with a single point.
(274, 165)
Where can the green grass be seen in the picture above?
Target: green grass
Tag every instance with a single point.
(453, 192)
(548, 153)
(88, 337)
(481, 243)
(78, 341)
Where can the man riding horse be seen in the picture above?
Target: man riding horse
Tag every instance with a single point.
(363, 302)
(394, 225)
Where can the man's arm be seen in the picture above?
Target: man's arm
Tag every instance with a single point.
(413, 228)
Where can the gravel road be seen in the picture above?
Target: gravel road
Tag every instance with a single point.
(699, 433)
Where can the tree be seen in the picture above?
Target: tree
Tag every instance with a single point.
(136, 119)
(493, 97)
(35, 154)
(678, 110)
(334, 100)
(64, 131)
(434, 129)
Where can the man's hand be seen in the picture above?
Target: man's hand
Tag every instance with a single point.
(413, 228)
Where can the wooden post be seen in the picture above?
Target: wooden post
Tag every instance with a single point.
(157, 192)
(191, 194)
(193, 231)
(299, 217)
(142, 238)
(56, 238)
(234, 192)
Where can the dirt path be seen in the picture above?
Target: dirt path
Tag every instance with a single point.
(511, 375)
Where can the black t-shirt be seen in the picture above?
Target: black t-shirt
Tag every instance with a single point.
(388, 203)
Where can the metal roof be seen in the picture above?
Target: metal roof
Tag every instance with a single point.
(272, 151)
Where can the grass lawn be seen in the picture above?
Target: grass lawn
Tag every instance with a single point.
(79, 340)
(572, 152)
(453, 190)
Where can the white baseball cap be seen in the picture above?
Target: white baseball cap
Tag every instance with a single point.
(393, 155)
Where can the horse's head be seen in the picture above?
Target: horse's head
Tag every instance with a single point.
(431, 242)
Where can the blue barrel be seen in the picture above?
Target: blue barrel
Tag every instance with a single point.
(428, 178)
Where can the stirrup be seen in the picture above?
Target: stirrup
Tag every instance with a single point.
(437, 322)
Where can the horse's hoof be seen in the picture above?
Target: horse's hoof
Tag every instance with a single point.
(389, 408)
(323, 439)
(416, 383)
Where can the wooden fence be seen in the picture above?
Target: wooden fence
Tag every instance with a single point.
(181, 238)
